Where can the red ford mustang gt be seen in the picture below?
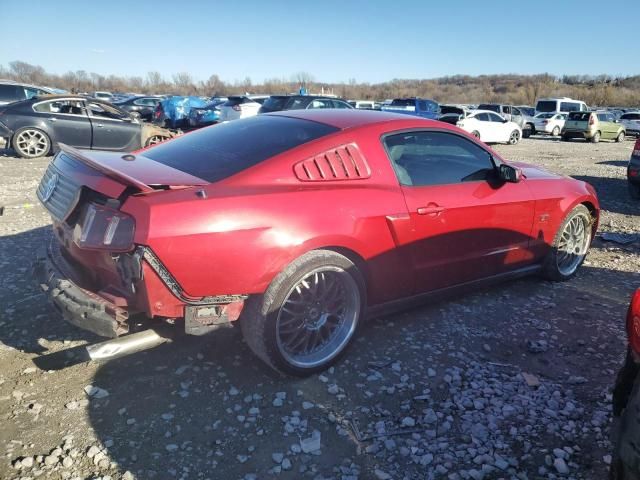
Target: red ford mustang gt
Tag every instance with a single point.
(298, 224)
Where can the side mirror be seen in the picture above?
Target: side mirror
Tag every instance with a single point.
(505, 120)
(510, 174)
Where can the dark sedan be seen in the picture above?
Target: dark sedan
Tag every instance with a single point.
(277, 103)
(145, 106)
(34, 127)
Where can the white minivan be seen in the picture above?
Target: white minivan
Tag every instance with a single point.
(560, 105)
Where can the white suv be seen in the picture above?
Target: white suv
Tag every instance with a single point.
(241, 106)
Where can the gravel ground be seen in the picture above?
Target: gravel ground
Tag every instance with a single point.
(508, 383)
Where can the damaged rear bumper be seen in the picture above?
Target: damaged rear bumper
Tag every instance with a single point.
(78, 306)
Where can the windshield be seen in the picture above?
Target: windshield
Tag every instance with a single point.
(547, 106)
(214, 154)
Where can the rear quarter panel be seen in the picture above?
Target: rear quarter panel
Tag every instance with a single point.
(255, 223)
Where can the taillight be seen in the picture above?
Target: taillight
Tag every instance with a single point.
(103, 228)
(633, 323)
(592, 119)
(636, 148)
(544, 122)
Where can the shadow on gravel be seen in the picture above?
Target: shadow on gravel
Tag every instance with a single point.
(614, 163)
(613, 194)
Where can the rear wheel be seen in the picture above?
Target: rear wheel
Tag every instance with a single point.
(595, 138)
(31, 143)
(620, 137)
(555, 132)
(528, 130)
(514, 138)
(476, 134)
(309, 314)
(570, 245)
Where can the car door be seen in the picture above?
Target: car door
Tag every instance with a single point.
(113, 129)
(501, 129)
(484, 127)
(517, 116)
(66, 120)
(465, 223)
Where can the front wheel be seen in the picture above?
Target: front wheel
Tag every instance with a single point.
(620, 137)
(570, 245)
(514, 138)
(595, 138)
(309, 314)
(555, 132)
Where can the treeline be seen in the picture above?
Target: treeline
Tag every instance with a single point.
(515, 89)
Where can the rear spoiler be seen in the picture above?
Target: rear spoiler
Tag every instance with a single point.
(110, 172)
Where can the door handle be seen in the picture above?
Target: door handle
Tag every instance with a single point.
(431, 209)
(100, 125)
(52, 119)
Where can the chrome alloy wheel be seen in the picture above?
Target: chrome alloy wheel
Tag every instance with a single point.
(573, 245)
(155, 139)
(32, 143)
(318, 317)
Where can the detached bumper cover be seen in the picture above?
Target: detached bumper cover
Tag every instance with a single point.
(78, 306)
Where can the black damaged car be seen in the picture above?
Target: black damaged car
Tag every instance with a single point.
(34, 127)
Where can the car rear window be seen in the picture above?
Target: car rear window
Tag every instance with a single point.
(579, 116)
(274, 104)
(403, 102)
(547, 106)
(216, 153)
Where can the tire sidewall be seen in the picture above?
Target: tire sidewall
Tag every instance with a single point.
(280, 288)
(14, 141)
(550, 265)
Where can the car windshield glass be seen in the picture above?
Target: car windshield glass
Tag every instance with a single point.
(546, 106)
(579, 116)
(214, 154)
(403, 102)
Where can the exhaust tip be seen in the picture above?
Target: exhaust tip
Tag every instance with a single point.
(126, 345)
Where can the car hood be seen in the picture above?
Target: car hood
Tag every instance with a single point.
(534, 172)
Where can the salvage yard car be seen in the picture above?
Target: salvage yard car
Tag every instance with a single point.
(297, 225)
(35, 127)
(631, 123)
(549, 123)
(11, 91)
(241, 106)
(625, 463)
(490, 127)
(593, 127)
(145, 106)
(420, 107)
(633, 172)
(279, 103)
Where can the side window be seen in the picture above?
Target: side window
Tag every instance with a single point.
(320, 103)
(11, 93)
(105, 111)
(437, 158)
(483, 117)
(494, 118)
(65, 107)
(506, 109)
(422, 105)
(602, 117)
(610, 117)
(339, 104)
(515, 111)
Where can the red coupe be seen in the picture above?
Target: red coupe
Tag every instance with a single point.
(297, 225)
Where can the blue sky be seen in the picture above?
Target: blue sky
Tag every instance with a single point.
(371, 41)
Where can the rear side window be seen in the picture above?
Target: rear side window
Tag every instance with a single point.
(630, 116)
(547, 106)
(274, 104)
(214, 154)
(579, 116)
(11, 93)
(569, 107)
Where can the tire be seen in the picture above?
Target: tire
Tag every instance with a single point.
(620, 137)
(31, 143)
(155, 139)
(559, 265)
(595, 138)
(555, 132)
(514, 138)
(274, 332)
(476, 134)
(528, 130)
(634, 190)
(564, 138)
